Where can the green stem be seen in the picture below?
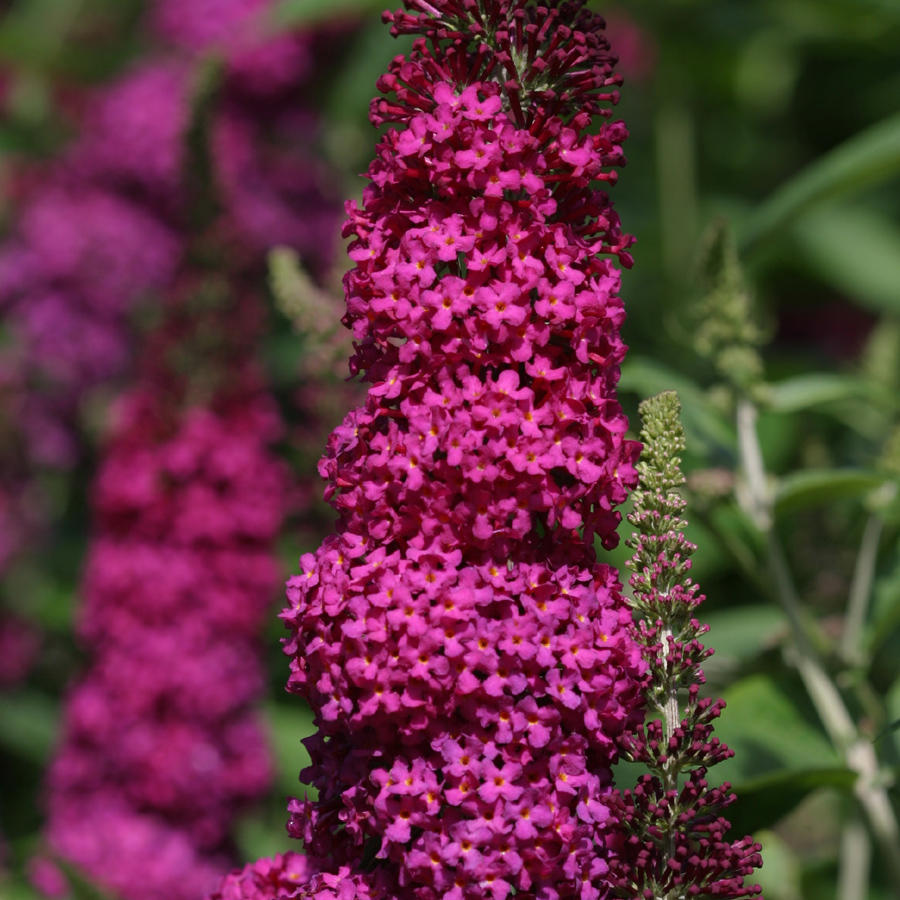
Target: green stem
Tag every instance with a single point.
(860, 590)
(757, 503)
(670, 709)
(855, 860)
(857, 752)
(675, 171)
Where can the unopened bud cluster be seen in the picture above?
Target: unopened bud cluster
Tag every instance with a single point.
(677, 842)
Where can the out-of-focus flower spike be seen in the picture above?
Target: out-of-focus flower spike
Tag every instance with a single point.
(725, 332)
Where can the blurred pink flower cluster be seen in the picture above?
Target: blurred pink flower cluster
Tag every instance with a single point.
(105, 228)
(161, 745)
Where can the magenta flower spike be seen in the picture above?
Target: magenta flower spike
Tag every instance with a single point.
(161, 745)
(468, 658)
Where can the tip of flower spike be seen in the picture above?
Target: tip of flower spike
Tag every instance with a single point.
(681, 741)
(557, 68)
(724, 330)
(663, 437)
(664, 407)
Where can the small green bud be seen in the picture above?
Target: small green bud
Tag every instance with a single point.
(725, 333)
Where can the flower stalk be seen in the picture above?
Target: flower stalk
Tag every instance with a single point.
(677, 843)
(730, 340)
(855, 749)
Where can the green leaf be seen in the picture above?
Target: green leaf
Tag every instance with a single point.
(882, 631)
(816, 487)
(855, 250)
(288, 725)
(868, 158)
(296, 13)
(703, 426)
(781, 753)
(885, 612)
(730, 527)
(761, 802)
(772, 729)
(350, 88)
(28, 723)
(347, 134)
(815, 389)
(779, 876)
(738, 634)
(890, 727)
(779, 439)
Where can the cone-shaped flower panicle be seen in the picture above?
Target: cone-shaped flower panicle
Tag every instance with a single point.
(161, 746)
(468, 659)
(677, 842)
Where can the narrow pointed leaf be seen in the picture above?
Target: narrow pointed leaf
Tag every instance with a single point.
(866, 159)
(815, 389)
(856, 251)
(820, 486)
(763, 801)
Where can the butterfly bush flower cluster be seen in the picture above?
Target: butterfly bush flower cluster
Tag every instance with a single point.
(86, 246)
(107, 228)
(83, 253)
(161, 745)
(468, 658)
(104, 229)
(160, 748)
(273, 190)
(677, 841)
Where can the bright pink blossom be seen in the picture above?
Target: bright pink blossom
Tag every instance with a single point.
(467, 656)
